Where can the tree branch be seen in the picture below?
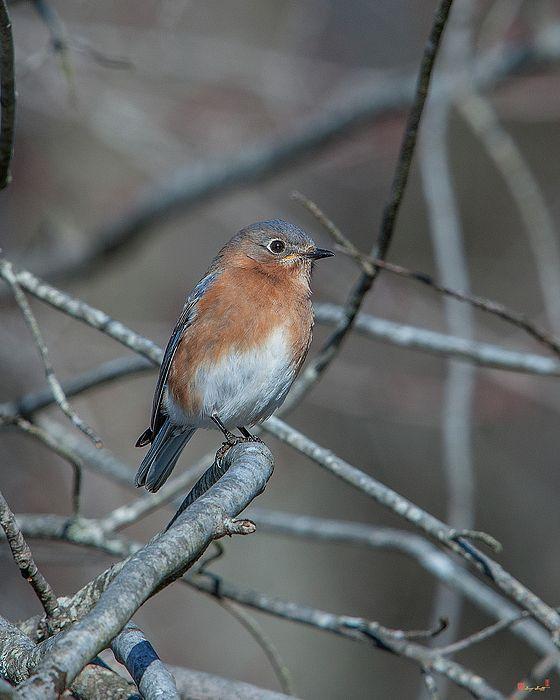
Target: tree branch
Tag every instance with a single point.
(196, 685)
(7, 95)
(447, 536)
(156, 565)
(358, 629)
(193, 185)
(24, 559)
(328, 352)
(7, 273)
(134, 651)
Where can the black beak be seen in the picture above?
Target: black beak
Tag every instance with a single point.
(319, 253)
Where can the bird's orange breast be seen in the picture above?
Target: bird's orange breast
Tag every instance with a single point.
(237, 314)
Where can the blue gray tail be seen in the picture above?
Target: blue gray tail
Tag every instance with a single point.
(162, 456)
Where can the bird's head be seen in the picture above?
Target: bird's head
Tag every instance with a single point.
(276, 245)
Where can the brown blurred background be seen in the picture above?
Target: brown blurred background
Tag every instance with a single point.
(201, 80)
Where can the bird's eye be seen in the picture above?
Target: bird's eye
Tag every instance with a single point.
(277, 246)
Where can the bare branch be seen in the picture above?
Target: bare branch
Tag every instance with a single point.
(484, 634)
(442, 567)
(88, 314)
(491, 307)
(19, 656)
(88, 533)
(160, 562)
(328, 352)
(526, 194)
(385, 496)
(95, 459)
(7, 95)
(415, 338)
(196, 685)
(357, 629)
(6, 271)
(130, 513)
(133, 650)
(446, 235)
(430, 684)
(24, 559)
(104, 373)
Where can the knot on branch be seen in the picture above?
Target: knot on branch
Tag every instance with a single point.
(238, 527)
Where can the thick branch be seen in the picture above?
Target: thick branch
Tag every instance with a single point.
(156, 565)
(358, 629)
(196, 685)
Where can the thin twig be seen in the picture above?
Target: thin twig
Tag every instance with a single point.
(7, 272)
(492, 307)
(483, 634)
(526, 194)
(270, 650)
(58, 40)
(7, 95)
(445, 230)
(24, 559)
(369, 263)
(330, 348)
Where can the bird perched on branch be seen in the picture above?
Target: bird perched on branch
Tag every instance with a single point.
(238, 345)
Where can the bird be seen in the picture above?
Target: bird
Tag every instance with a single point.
(238, 345)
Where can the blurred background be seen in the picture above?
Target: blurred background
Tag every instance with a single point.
(142, 89)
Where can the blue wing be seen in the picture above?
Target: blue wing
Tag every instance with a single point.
(188, 314)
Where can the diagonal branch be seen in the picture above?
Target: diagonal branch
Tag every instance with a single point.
(332, 345)
(7, 273)
(165, 558)
(193, 185)
(24, 559)
(492, 307)
(369, 263)
(447, 536)
(353, 628)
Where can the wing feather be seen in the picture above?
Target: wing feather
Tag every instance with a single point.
(188, 314)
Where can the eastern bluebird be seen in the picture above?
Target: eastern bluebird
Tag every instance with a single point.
(238, 345)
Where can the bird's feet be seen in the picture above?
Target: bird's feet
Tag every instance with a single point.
(233, 440)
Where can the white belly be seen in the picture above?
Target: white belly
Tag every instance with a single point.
(242, 388)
